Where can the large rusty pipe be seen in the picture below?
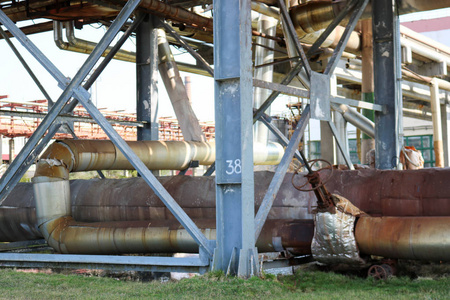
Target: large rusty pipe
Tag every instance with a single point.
(422, 238)
(65, 235)
(108, 200)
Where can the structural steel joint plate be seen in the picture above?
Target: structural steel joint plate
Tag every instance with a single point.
(320, 96)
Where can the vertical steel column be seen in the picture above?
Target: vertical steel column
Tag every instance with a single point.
(445, 117)
(235, 252)
(11, 150)
(147, 79)
(386, 68)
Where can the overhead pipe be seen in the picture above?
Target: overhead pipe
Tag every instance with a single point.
(89, 46)
(170, 74)
(76, 46)
(265, 9)
(314, 16)
(63, 157)
(356, 119)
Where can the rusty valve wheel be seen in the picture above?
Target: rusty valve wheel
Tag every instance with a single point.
(311, 164)
(380, 272)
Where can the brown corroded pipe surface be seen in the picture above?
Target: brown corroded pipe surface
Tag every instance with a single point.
(422, 238)
(379, 193)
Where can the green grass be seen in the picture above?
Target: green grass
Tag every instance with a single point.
(303, 285)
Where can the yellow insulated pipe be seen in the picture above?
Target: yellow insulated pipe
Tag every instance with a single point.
(52, 193)
(63, 157)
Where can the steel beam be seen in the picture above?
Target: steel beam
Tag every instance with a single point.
(292, 33)
(235, 252)
(281, 171)
(359, 9)
(147, 79)
(323, 36)
(341, 145)
(14, 173)
(105, 262)
(200, 60)
(387, 68)
(281, 137)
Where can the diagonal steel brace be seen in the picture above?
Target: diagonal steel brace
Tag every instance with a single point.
(74, 87)
(359, 9)
(282, 168)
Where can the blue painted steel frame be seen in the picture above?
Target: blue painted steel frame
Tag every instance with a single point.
(108, 262)
(235, 252)
(387, 68)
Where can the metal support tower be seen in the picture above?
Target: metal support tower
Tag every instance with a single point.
(387, 71)
(147, 79)
(235, 252)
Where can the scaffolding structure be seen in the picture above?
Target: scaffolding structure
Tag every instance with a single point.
(310, 45)
(20, 119)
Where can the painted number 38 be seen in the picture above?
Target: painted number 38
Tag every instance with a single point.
(234, 167)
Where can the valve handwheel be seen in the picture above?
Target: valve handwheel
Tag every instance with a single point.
(313, 174)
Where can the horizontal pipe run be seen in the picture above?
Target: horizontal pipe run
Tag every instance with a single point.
(422, 238)
(65, 235)
(68, 236)
(89, 46)
(63, 157)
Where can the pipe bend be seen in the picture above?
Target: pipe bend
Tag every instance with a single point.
(53, 202)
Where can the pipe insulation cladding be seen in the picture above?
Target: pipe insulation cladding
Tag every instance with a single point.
(63, 157)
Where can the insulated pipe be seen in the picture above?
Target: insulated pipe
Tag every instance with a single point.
(356, 119)
(263, 55)
(89, 46)
(423, 238)
(168, 69)
(265, 10)
(437, 124)
(78, 47)
(53, 203)
(63, 157)
(367, 84)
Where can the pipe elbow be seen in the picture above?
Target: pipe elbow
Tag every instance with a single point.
(312, 16)
(56, 162)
